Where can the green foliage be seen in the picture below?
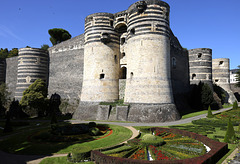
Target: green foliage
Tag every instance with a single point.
(201, 96)
(80, 154)
(230, 134)
(94, 131)
(238, 77)
(206, 96)
(4, 95)
(58, 35)
(235, 105)
(209, 115)
(149, 139)
(5, 53)
(92, 124)
(35, 97)
(45, 47)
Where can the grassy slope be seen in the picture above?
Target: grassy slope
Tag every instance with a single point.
(19, 144)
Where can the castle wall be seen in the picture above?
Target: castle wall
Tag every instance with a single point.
(11, 75)
(66, 68)
(200, 65)
(179, 67)
(221, 77)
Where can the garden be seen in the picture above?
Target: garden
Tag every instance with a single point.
(158, 145)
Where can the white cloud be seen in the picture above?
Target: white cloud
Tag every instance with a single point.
(6, 32)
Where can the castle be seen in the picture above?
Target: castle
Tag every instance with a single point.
(131, 55)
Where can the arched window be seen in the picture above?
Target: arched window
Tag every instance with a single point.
(123, 73)
(194, 76)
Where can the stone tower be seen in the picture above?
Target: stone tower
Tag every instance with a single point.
(148, 54)
(101, 59)
(221, 77)
(32, 65)
(200, 65)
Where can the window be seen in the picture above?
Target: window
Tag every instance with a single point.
(131, 75)
(216, 80)
(194, 76)
(102, 75)
(199, 55)
(132, 31)
(120, 19)
(221, 63)
(115, 59)
(122, 41)
(111, 23)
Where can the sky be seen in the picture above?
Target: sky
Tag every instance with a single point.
(211, 24)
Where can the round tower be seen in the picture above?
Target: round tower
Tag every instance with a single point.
(32, 65)
(221, 77)
(200, 65)
(148, 54)
(101, 59)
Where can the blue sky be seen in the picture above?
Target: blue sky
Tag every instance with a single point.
(196, 23)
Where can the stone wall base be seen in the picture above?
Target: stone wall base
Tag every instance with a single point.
(134, 112)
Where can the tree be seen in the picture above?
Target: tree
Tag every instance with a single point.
(44, 47)
(230, 134)
(13, 52)
(58, 35)
(35, 98)
(238, 77)
(235, 105)
(209, 115)
(5, 53)
(4, 94)
(206, 95)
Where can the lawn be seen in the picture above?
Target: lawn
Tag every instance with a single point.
(20, 144)
(62, 160)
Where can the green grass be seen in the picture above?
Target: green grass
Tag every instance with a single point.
(116, 103)
(59, 160)
(195, 114)
(227, 105)
(20, 144)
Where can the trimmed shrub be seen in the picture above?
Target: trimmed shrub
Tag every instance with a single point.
(230, 134)
(149, 139)
(235, 105)
(94, 131)
(80, 154)
(92, 124)
(209, 115)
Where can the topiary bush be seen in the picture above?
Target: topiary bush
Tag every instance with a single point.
(230, 134)
(94, 131)
(92, 124)
(209, 115)
(79, 154)
(235, 105)
(149, 139)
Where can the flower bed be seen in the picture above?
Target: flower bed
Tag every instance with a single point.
(181, 147)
